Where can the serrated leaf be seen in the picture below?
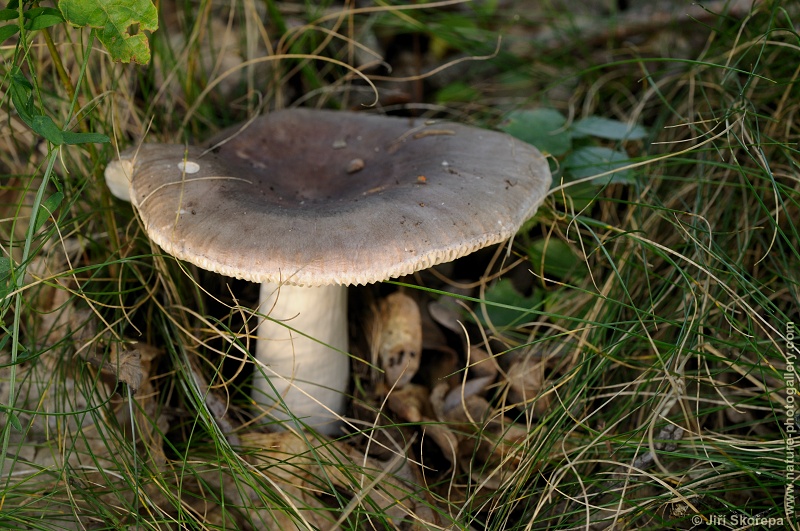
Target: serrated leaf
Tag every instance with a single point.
(8, 31)
(113, 19)
(47, 208)
(594, 160)
(608, 128)
(543, 128)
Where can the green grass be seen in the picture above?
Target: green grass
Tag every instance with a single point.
(652, 312)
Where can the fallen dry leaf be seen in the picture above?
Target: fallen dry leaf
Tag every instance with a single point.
(397, 338)
(481, 364)
(409, 403)
(449, 311)
(124, 365)
(526, 381)
(149, 420)
(457, 395)
(470, 414)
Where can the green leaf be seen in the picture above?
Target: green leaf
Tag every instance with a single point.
(8, 31)
(521, 307)
(608, 128)
(457, 91)
(113, 20)
(4, 337)
(578, 196)
(44, 21)
(594, 160)
(37, 18)
(543, 128)
(5, 267)
(47, 208)
(84, 138)
(14, 420)
(40, 11)
(21, 96)
(44, 126)
(8, 14)
(5, 276)
(553, 258)
(18, 78)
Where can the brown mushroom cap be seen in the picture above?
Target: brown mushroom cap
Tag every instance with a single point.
(323, 197)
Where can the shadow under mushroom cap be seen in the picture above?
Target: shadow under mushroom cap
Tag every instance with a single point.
(323, 197)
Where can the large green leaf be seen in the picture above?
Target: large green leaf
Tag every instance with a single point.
(543, 128)
(511, 307)
(596, 160)
(607, 128)
(113, 19)
(553, 258)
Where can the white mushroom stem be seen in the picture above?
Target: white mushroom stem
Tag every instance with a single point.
(301, 353)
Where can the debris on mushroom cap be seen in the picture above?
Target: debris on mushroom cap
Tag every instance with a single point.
(188, 166)
(355, 165)
(270, 204)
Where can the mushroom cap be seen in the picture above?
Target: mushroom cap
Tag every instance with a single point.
(315, 198)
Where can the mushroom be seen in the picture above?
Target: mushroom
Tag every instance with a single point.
(280, 203)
